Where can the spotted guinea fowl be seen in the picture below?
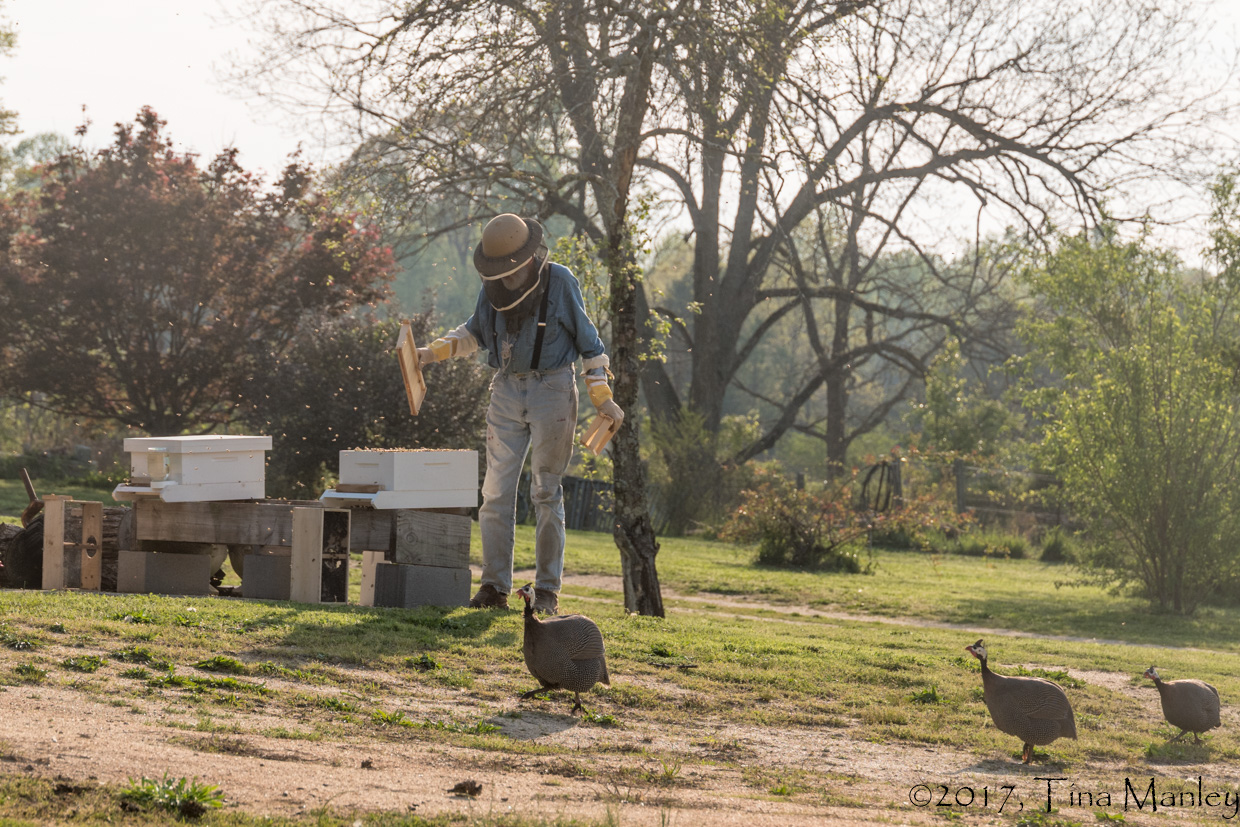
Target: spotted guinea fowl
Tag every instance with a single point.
(1035, 710)
(563, 651)
(1189, 704)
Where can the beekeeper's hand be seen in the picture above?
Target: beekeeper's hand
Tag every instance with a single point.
(600, 395)
(612, 411)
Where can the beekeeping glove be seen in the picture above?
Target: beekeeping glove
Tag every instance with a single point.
(600, 393)
(457, 342)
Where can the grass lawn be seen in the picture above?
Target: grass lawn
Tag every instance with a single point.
(13, 498)
(760, 647)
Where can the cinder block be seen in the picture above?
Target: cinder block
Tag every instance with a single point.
(405, 587)
(266, 576)
(158, 572)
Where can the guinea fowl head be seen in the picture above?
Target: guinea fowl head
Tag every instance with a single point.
(977, 650)
(1151, 673)
(527, 592)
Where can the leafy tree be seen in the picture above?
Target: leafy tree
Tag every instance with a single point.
(1142, 420)
(138, 288)
(339, 387)
(953, 420)
(8, 118)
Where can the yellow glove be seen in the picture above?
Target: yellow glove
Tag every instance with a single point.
(458, 342)
(600, 395)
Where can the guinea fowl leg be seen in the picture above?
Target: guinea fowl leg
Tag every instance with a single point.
(525, 696)
(1183, 732)
(1027, 756)
(576, 703)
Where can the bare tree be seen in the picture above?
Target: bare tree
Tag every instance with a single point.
(744, 122)
(883, 121)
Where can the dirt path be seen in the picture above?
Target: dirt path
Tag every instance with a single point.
(86, 736)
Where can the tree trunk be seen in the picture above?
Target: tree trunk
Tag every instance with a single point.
(634, 531)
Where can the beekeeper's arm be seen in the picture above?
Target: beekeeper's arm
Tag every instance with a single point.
(597, 375)
(456, 342)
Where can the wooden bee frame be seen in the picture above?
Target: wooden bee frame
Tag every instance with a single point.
(410, 368)
(601, 430)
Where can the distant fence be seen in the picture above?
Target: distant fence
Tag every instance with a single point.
(1013, 498)
(588, 505)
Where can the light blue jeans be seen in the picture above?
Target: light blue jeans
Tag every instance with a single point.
(536, 413)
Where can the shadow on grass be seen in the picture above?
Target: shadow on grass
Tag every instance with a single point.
(530, 725)
(1178, 752)
(1116, 620)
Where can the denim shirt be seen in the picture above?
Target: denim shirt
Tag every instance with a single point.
(569, 335)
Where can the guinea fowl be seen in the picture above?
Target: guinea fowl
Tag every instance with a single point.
(1035, 710)
(563, 651)
(1189, 704)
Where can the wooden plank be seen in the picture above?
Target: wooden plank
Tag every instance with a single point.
(425, 539)
(54, 541)
(358, 488)
(410, 368)
(268, 523)
(92, 545)
(370, 560)
(370, 530)
(306, 568)
(377, 530)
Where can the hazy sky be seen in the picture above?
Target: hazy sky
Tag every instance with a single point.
(116, 56)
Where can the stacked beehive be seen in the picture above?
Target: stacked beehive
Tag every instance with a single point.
(186, 469)
(425, 542)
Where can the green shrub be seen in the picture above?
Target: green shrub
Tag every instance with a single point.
(1058, 547)
(990, 544)
(924, 523)
(795, 528)
(189, 799)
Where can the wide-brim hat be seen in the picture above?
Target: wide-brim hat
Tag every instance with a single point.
(508, 242)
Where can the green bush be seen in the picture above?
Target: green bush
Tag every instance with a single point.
(796, 528)
(991, 544)
(186, 798)
(1058, 547)
(925, 523)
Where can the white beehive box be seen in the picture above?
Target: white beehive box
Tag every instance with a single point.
(196, 468)
(406, 479)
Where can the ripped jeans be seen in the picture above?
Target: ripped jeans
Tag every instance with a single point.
(534, 412)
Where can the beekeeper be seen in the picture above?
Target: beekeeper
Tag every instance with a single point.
(531, 320)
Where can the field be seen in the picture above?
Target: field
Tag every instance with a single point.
(764, 697)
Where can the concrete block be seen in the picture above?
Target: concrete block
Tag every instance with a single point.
(405, 587)
(158, 572)
(266, 576)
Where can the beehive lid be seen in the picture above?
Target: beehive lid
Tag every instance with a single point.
(206, 444)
